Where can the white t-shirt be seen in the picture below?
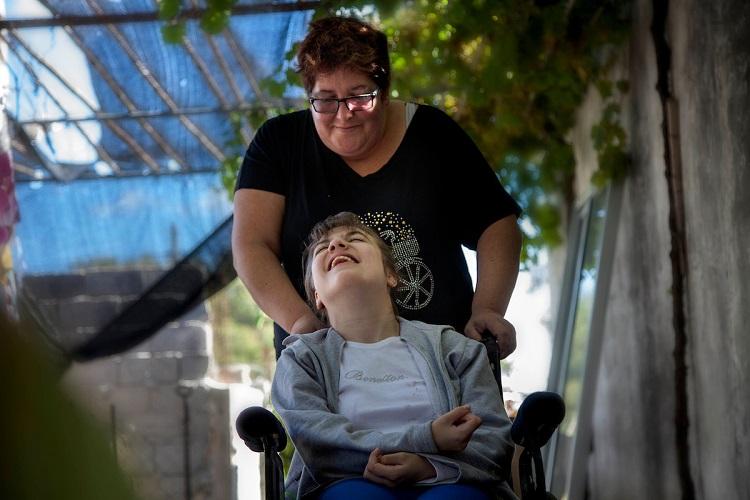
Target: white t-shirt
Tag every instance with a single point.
(386, 386)
(381, 386)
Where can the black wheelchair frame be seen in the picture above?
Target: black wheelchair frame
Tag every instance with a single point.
(535, 422)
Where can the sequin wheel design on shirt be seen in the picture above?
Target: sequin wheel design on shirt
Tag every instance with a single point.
(417, 284)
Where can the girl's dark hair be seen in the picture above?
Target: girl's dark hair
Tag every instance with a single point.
(321, 231)
(333, 43)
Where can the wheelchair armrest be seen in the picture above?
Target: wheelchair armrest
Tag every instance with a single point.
(261, 430)
(537, 418)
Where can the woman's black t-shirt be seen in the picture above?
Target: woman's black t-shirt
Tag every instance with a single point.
(436, 193)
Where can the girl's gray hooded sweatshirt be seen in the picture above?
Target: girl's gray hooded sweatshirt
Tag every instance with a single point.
(328, 448)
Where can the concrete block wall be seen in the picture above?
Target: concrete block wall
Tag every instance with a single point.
(146, 395)
(76, 305)
(155, 398)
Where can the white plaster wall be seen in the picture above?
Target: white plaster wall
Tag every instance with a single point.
(711, 63)
(633, 452)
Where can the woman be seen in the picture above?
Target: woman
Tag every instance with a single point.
(408, 171)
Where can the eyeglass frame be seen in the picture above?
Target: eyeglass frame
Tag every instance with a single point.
(345, 100)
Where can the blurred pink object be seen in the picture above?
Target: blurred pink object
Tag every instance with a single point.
(8, 205)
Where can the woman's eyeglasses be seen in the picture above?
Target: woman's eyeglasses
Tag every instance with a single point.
(330, 106)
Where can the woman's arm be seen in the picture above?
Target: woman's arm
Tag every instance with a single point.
(498, 255)
(327, 442)
(256, 247)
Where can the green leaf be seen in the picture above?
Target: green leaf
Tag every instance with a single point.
(169, 9)
(220, 4)
(605, 88)
(273, 88)
(215, 20)
(173, 32)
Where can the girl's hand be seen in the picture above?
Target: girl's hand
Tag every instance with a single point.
(452, 431)
(398, 468)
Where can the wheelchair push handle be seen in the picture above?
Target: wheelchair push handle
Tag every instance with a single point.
(493, 353)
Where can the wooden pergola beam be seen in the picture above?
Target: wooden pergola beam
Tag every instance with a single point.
(123, 96)
(206, 72)
(125, 174)
(28, 144)
(141, 17)
(245, 65)
(148, 75)
(103, 154)
(200, 110)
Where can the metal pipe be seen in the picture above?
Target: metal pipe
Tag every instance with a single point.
(184, 391)
(113, 430)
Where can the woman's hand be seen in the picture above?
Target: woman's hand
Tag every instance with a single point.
(307, 324)
(399, 468)
(500, 328)
(452, 431)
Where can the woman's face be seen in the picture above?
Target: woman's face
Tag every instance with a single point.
(353, 135)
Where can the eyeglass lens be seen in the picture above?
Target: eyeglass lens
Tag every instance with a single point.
(353, 103)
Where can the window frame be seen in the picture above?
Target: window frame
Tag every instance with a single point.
(578, 239)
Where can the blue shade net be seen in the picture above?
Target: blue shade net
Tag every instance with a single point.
(124, 223)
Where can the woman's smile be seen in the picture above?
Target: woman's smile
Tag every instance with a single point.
(350, 134)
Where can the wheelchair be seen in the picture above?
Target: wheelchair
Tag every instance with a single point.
(535, 422)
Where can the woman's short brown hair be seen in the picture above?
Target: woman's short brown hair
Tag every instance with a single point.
(334, 43)
(320, 231)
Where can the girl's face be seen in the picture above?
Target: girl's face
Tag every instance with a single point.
(350, 134)
(345, 259)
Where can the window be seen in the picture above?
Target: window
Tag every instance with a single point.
(578, 336)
